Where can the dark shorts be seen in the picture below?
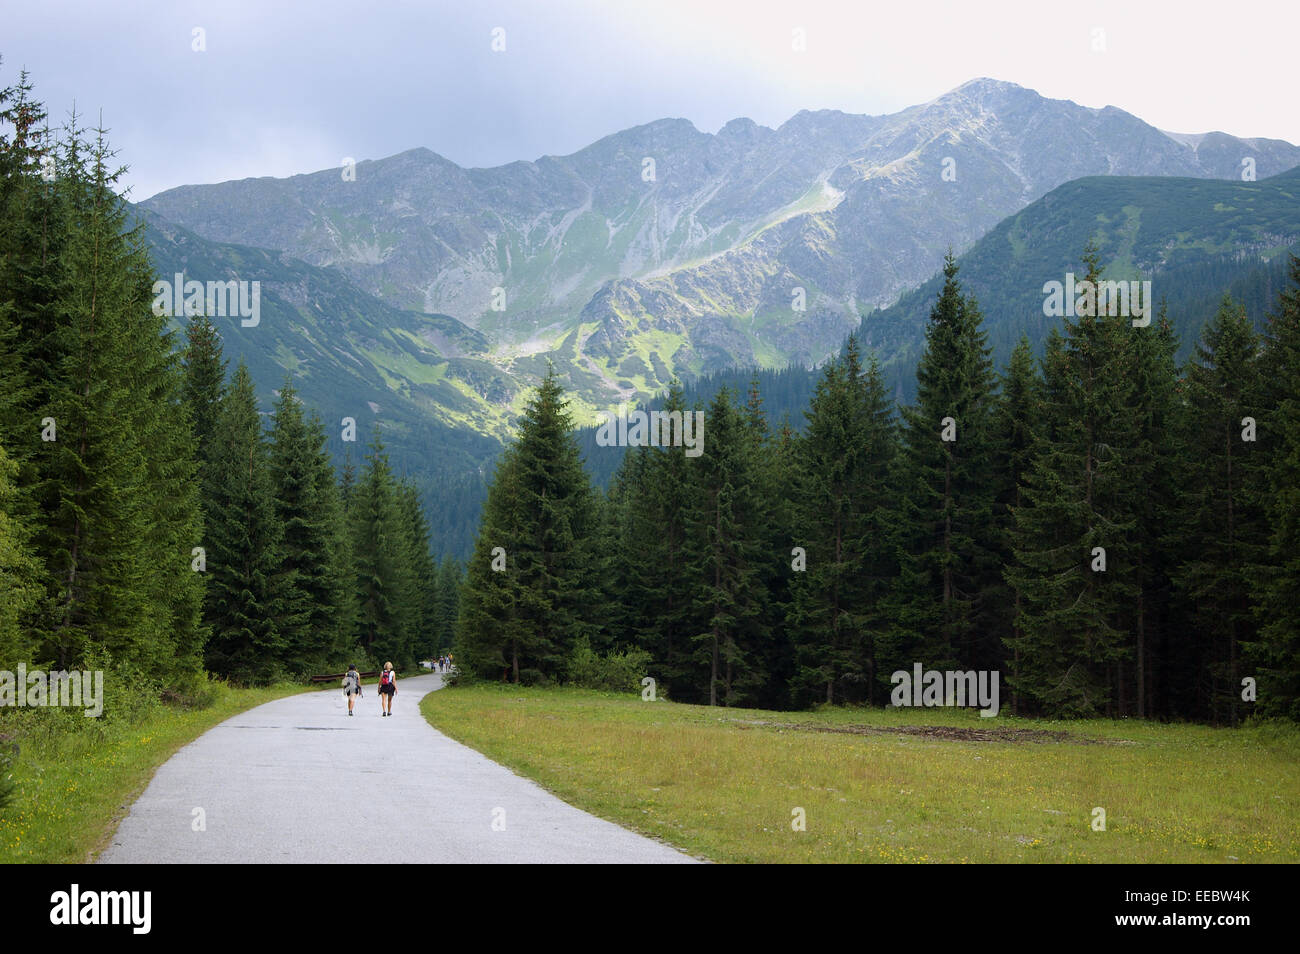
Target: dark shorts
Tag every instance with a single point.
(388, 690)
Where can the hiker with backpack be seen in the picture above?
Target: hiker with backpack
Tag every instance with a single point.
(351, 685)
(387, 688)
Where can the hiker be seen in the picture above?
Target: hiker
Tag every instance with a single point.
(387, 687)
(351, 685)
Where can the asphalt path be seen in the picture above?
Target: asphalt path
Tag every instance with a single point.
(299, 781)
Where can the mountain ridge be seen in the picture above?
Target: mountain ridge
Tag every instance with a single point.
(663, 251)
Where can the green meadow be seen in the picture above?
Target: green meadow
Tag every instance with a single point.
(894, 785)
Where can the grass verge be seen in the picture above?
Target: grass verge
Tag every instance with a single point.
(76, 782)
(894, 785)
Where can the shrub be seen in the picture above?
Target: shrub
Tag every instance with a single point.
(8, 756)
(198, 691)
(618, 671)
(533, 677)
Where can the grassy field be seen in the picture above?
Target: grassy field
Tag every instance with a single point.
(76, 783)
(902, 785)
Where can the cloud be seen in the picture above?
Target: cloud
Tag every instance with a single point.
(279, 91)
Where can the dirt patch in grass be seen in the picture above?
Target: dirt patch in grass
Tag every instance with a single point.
(946, 732)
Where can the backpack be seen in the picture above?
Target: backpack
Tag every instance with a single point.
(386, 678)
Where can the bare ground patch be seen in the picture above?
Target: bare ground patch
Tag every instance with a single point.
(947, 733)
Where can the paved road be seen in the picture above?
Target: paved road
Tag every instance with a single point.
(297, 780)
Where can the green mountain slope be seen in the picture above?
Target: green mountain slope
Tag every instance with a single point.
(1192, 238)
(423, 379)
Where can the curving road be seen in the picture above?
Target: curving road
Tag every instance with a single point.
(297, 780)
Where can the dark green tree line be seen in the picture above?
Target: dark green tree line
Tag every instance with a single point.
(1100, 527)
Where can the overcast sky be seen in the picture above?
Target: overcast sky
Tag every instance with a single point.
(283, 88)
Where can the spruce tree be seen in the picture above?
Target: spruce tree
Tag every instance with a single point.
(604, 617)
(492, 640)
(1018, 408)
(302, 488)
(542, 530)
(829, 640)
(19, 582)
(651, 491)
(1276, 650)
(1075, 513)
(384, 582)
(780, 663)
(422, 607)
(173, 500)
(246, 575)
(1152, 488)
(90, 410)
(341, 628)
(347, 485)
(115, 481)
(726, 545)
(450, 576)
(1221, 533)
(32, 235)
(626, 502)
(553, 534)
(879, 566)
(205, 381)
(944, 518)
(774, 652)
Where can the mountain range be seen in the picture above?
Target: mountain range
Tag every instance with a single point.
(432, 297)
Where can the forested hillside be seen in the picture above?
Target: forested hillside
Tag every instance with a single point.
(1194, 239)
(1114, 532)
(425, 378)
(153, 522)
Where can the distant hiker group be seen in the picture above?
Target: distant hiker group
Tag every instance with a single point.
(387, 688)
